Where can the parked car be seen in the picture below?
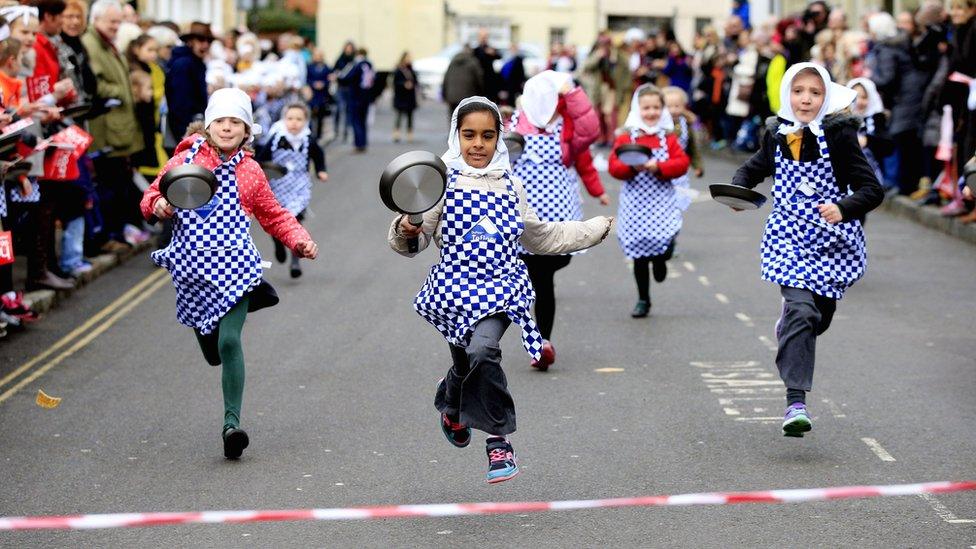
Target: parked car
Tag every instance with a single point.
(430, 70)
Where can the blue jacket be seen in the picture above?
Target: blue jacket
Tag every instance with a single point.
(186, 89)
(319, 73)
(359, 76)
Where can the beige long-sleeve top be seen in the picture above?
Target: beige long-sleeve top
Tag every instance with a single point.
(539, 237)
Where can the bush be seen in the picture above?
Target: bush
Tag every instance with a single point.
(270, 20)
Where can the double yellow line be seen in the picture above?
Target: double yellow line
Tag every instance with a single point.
(83, 335)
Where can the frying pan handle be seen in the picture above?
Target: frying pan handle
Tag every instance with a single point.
(413, 244)
(153, 219)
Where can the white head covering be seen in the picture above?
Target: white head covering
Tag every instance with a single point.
(634, 34)
(541, 95)
(231, 102)
(278, 129)
(836, 98)
(499, 163)
(11, 13)
(636, 122)
(875, 105)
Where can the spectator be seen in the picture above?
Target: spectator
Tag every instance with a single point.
(72, 57)
(486, 56)
(23, 23)
(902, 85)
(142, 55)
(962, 59)
(404, 96)
(359, 77)
(513, 76)
(463, 78)
(318, 80)
(116, 133)
(678, 67)
(186, 81)
(814, 20)
(342, 118)
(166, 39)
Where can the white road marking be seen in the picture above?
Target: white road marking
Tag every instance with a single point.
(745, 319)
(882, 454)
(608, 370)
(674, 274)
(690, 266)
(732, 412)
(722, 298)
(761, 419)
(731, 400)
(729, 364)
(944, 513)
(834, 408)
(704, 281)
(769, 343)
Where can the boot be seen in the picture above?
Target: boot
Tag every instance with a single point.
(924, 185)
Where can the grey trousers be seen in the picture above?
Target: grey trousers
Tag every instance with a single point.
(805, 316)
(475, 390)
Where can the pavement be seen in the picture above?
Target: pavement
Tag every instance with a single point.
(341, 376)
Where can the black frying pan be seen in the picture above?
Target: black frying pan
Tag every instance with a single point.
(737, 197)
(633, 155)
(273, 170)
(515, 144)
(187, 187)
(412, 184)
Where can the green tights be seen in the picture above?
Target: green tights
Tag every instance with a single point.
(223, 346)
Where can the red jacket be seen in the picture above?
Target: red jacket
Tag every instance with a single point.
(252, 189)
(675, 166)
(578, 116)
(47, 60)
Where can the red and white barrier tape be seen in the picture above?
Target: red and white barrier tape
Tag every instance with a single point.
(128, 520)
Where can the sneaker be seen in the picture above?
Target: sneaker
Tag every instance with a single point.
(502, 463)
(134, 235)
(80, 270)
(235, 440)
(13, 305)
(796, 422)
(641, 309)
(296, 267)
(547, 359)
(456, 434)
(660, 269)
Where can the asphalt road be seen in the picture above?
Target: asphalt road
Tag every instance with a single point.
(341, 374)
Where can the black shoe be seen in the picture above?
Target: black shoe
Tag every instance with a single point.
(235, 440)
(642, 309)
(280, 253)
(454, 432)
(296, 267)
(660, 269)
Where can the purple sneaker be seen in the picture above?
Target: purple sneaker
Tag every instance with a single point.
(796, 421)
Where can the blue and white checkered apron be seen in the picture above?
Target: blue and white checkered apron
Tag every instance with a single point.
(294, 189)
(551, 189)
(34, 196)
(682, 183)
(648, 217)
(867, 128)
(3, 198)
(211, 257)
(799, 248)
(479, 273)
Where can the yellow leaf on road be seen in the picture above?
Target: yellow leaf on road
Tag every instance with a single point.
(45, 401)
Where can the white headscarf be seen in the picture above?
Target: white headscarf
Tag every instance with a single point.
(875, 105)
(636, 122)
(234, 103)
(541, 96)
(836, 98)
(278, 129)
(499, 163)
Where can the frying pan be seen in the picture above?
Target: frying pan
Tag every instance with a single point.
(738, 197)
(273, 170)
(17, 169)
(412, 184)
(187, 187)
(633, 155)
(515, 144)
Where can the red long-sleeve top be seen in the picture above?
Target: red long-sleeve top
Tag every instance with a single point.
(675, 166)
(253, 190)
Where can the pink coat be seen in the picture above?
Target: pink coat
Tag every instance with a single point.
(582, 120)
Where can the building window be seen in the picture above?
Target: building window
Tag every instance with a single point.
(557, 35)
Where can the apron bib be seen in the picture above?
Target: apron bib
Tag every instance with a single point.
(551, 189)
(479, 273)
(211, 257)
(294, 189)
(799, 248)
(682, 184)
(648, 217)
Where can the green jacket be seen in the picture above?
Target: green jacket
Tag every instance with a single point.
(118, 127)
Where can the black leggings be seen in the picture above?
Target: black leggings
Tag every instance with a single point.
(404, 114)
(542, 269)
(642, 274)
